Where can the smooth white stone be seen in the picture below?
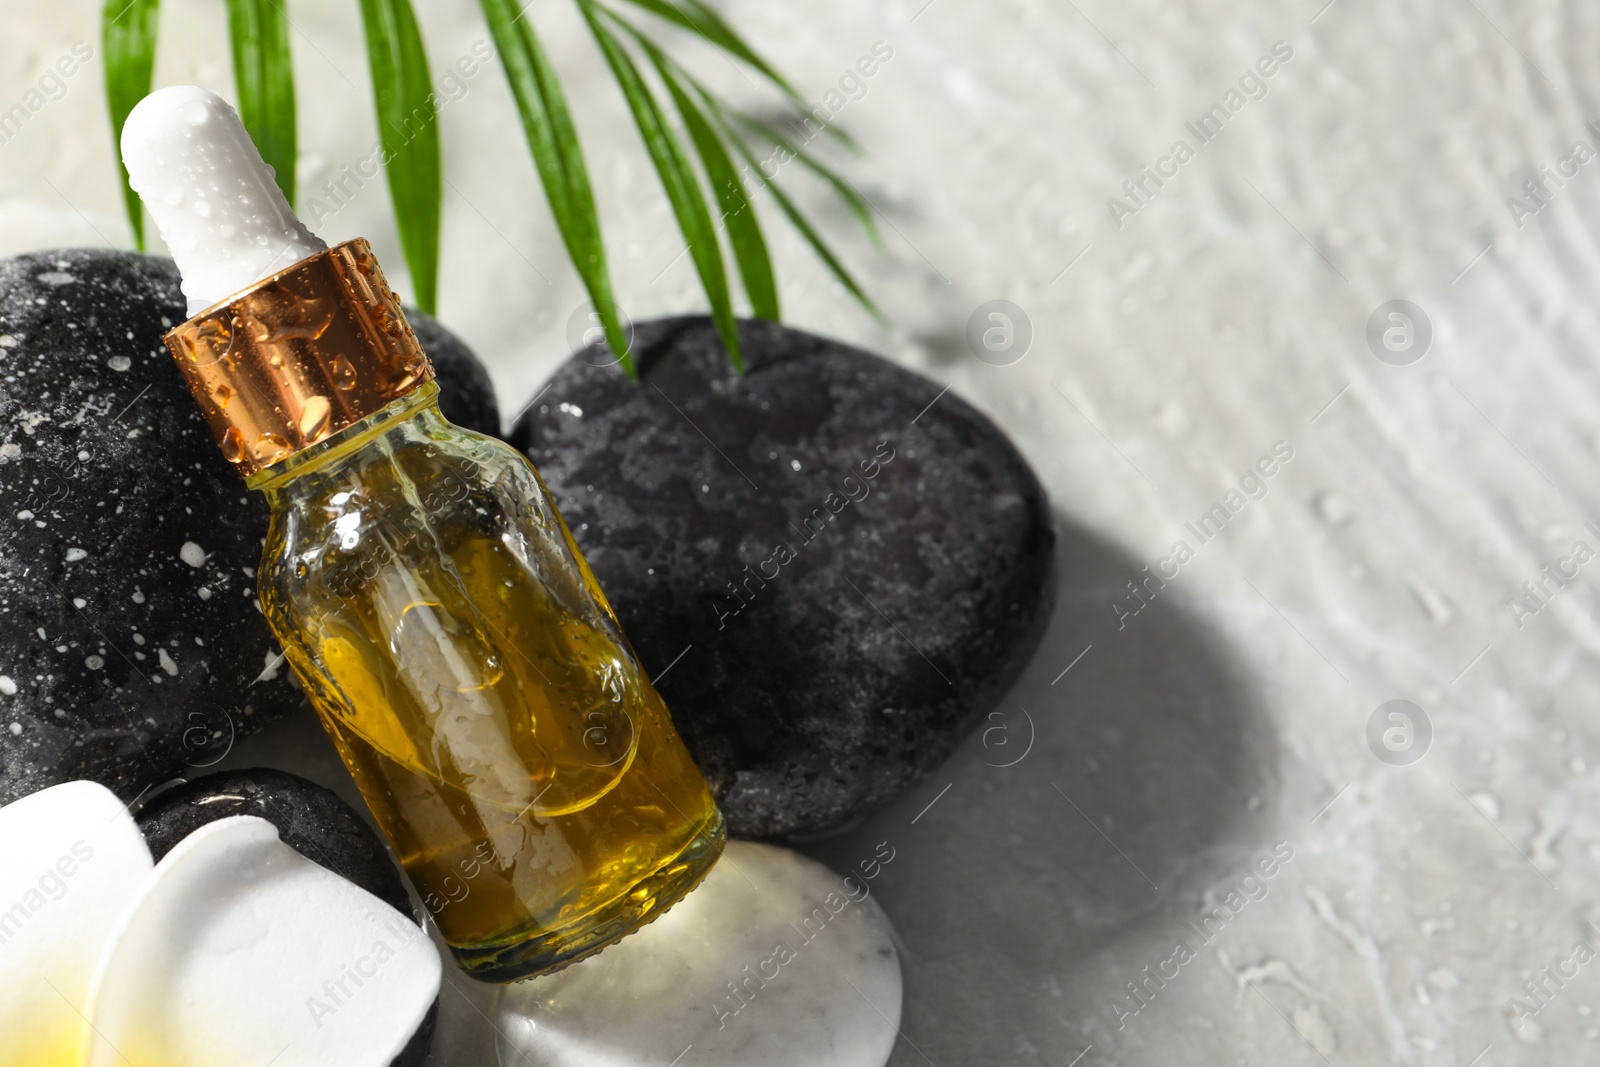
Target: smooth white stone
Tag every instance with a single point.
(825, 991)
(222, 215)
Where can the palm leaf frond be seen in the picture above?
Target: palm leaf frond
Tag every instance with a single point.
(696, 17)
(128, 38)
(408, 131)
(258, 32)
(744, 229)
(848, 193)
(812, 238)
(706, 160)
(677, 178)
(559, 159)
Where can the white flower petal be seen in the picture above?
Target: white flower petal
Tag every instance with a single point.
(70, 860)
(240, 950)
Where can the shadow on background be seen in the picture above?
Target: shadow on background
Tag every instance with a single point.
(1152, 772)
(1128, 784)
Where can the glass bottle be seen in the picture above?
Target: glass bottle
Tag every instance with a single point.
(448, 631)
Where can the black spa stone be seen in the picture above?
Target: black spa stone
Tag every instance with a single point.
(466, 393)
(830, 580)
(310, 819)
(130, 644)
(131, 647)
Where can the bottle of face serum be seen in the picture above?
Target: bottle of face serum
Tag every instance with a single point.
(424, 588)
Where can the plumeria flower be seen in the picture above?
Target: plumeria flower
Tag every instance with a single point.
(234, 949)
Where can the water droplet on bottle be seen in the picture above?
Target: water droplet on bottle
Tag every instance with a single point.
(343, 373)
(224, 393)
(233, 445)
(270, 448)
(414, 368)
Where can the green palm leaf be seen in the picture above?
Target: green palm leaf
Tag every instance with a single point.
(559, 159)
(677, 178)
(853, 200)
(720, 115)
(128, 38)
(258, 31)
(408, 130)
(806, 231)
(744, 230)
(407, 108)
(695, 16)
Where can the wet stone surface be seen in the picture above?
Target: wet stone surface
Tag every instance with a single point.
(830, 569)
(131, 647)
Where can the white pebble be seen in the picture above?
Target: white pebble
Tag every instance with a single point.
(94, 663)
(7, 686)
(166, 662)
(75, 554)
(192, 554)
(16, 729)
(774, 959)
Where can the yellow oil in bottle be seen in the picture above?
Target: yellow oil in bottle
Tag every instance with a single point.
(476, 685)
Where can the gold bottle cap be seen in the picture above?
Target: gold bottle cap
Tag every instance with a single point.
(299, 356)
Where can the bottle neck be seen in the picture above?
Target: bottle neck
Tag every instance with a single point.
(309, 466)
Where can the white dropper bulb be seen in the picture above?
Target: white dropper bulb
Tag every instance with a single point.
(211, 195)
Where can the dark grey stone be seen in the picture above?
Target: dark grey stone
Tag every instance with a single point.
(833, 650)
(310, 819)
(128, 662)
(163, 664)
(466, 393)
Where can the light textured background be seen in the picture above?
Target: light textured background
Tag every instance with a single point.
(1227, 315)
